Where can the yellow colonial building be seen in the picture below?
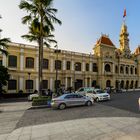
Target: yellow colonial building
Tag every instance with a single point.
(106, 66)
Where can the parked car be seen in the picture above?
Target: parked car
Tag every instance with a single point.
(98, 95)
(31, 96)
(71, 99)
(84, 90)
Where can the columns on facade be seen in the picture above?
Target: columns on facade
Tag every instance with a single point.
(90, 66)
(113, 68)
(72, 65)
(51, 65)
(64, 64)
(4, 60)
(129, 70)
(103, 68)
(85, 82)
(90, 82)
(21, 59)
(36, 83)
(21, 83)
(66, 82)
(83, 66)
(51, 83)
(71, 80)
(37, 61)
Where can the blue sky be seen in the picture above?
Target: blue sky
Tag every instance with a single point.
(83, 22)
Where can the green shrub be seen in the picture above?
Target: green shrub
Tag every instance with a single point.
(41, 100)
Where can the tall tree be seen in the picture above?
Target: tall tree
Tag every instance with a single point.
(40, 20)
(3, 43)
(4, 77)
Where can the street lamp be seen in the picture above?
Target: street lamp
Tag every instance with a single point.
(74, 83)
(29, 81)
(57, 51)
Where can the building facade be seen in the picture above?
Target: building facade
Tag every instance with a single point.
(107, 66)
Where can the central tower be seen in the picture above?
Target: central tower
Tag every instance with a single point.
(124, 40)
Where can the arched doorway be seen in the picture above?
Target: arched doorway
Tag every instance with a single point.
(127, 85)
(131, 85)
(136, 84)
(122, 84)
(108, 83)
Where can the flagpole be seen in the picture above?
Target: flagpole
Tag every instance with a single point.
(124, 16)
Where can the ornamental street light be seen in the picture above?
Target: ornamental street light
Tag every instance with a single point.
(57, 51)
(29, 86)
(74, 83)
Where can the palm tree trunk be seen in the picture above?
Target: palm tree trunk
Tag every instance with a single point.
(41, 51)
(40, 73)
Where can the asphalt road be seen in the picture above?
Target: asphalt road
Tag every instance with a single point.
(121, 105)
(125, 101)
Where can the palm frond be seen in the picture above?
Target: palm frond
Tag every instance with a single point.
(26, 19)
(3, 51)
(29, 37)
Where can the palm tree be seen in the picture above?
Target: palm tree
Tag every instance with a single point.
(40, 20)
(3, 44)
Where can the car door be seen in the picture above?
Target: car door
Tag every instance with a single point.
(80, 99)
(69, 100)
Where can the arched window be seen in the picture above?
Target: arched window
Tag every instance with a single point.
(107, 68)
(95, 68)
(121, 69)
(126, 70)
(131, 70)
(116, 69)
(45, 63)
(12, 61)
(58, 64)
(87, 67)
(29, 62)
(68, 65)
(77, 66)
(135, 70)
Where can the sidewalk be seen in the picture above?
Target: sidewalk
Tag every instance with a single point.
(102, 128)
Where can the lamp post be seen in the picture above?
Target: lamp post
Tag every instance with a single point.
(29, 81)
(74, 83)
(56, 67)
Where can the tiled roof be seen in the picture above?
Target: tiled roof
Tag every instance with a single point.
(105, 40)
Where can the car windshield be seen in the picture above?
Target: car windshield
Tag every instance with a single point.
(100, 91)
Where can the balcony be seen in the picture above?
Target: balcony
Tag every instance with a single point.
(108, 73)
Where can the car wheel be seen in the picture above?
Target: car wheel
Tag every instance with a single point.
(62, 106)
(89, 103)
(97, 99)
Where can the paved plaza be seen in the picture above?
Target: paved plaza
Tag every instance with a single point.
(118, 119)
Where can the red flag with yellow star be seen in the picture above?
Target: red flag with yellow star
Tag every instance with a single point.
(124, 14)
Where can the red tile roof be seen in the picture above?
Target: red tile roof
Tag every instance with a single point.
(105, 40)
